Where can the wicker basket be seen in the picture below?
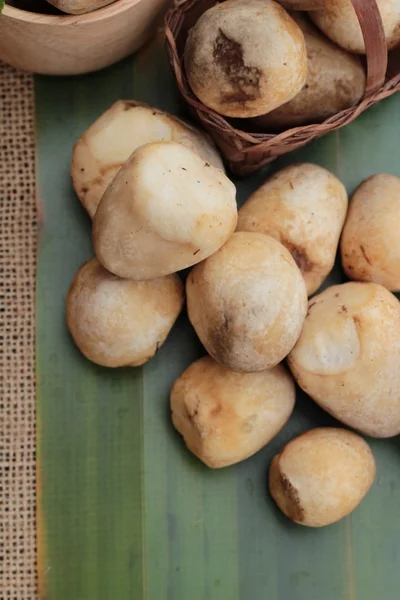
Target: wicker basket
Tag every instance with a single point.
(247, 152)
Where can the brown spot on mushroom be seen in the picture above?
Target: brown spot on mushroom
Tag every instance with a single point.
(239, 96)
(357, 323)
(343, 309)
(96, 181)
(128, 105)
(225, 322)
(191, 416)
(220, 339)
(244, 79)
(300, 256)
(110, 167)
(365, 254)
(301, 260)
(293, 507)
(311, 306)
(216, 410)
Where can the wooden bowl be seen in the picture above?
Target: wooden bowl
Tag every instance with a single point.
(74, 44)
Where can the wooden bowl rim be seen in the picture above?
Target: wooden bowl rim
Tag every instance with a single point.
(100, 14)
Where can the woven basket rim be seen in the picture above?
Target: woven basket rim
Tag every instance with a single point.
(239, 145)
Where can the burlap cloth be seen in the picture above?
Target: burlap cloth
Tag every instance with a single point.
(17, 336)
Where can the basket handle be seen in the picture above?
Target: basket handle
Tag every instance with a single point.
(375, 43)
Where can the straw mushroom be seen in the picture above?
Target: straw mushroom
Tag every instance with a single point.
(244, 58)
(115, 322)
(348, 356)
(338, 20)
(225, 417)
(101, 151)
(247, 302)
(370, 243)
(335, 81)
(302, 206)
(166, 209)
(322, 476)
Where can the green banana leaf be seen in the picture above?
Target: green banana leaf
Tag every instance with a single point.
(124, 511)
